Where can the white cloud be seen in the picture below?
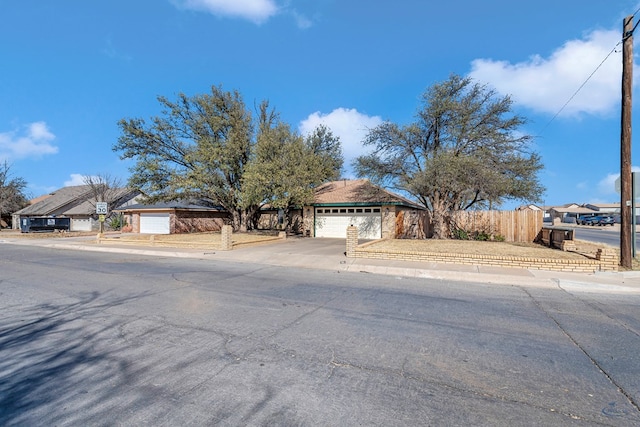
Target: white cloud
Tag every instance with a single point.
(33, 141)
(75, 179)
(607, 185)
(257, 11)
(301, 21)
(348, 124)
(546, 84)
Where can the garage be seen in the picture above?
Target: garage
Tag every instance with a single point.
(81, 224)
(333, 222)
(155, 223)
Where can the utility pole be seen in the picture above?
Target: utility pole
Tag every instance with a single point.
(625, 144)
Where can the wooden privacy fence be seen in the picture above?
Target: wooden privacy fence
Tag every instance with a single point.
(514, 226)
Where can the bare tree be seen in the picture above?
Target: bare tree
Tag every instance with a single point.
(105, 188)
(12, 196)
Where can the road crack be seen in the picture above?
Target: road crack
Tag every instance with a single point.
(575, 342)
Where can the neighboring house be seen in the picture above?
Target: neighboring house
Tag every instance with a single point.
(546, 214)
(75, 202)
(376, 212)
(174, 217)
(568, 213)
(604, 208)
(530, 207)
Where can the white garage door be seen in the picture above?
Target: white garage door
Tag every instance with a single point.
(154, 223)
(81, 224)
(333, 222)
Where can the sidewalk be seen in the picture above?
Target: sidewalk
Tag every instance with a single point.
(328, 254)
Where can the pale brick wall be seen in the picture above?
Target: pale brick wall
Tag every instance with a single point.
(352, 241)
(227, 242)
(607, 263)
(609, 259)
(606, 259)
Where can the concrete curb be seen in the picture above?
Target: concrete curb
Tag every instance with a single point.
(621, 282)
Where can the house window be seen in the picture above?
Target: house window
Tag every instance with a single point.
(343, 211)
(377, 210)
(351, 210)
(367, 210)
(359, 210)
(334, 210)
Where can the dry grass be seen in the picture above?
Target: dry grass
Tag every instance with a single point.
(191, 240)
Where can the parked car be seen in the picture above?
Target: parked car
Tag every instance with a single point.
(585, 220)
(596, 220)
(606, 220)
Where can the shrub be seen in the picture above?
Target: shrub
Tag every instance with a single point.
(481, 236)
(116, 222)
(459, 234)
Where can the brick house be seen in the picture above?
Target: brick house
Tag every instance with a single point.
(376, 212)
(74, 202)
(174, 218)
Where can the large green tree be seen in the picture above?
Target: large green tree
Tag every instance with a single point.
(286, 167)
(211, 147)
(465, 150)
(198, 148)
(12, 192)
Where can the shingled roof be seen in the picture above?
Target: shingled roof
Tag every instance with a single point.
(116, 196)
(357, 191)
(192, 205)
(73, 200)
(56, 200)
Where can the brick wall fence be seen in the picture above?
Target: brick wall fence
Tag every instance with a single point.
(606, 259)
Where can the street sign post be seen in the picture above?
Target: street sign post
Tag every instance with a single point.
(101, 208)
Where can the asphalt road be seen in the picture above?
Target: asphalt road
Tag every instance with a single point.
(607, 235)
(115, 339)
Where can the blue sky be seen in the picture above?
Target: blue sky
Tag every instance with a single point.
(71, 69)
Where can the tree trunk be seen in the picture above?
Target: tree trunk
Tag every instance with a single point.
(441, 221)
(244, 218)
(287, 220)
(252, 215)
(236, 220)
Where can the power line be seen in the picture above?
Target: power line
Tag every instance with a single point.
(582, 85)
(625, 36)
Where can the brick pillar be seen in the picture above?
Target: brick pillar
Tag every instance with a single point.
(609, 260)
(352, 241)
(227, 242)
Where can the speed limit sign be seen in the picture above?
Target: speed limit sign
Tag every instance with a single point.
(101, 208)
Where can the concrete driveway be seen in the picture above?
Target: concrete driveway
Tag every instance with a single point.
(294, 250)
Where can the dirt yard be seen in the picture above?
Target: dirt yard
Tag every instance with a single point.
(532, 250)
